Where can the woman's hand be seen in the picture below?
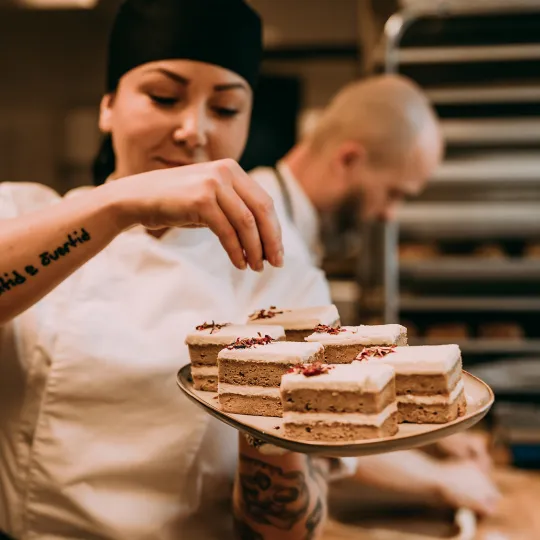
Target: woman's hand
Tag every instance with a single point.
(219, 195)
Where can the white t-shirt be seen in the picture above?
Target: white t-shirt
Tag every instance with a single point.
(96, 440)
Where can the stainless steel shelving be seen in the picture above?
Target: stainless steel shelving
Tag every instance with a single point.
(482, 77)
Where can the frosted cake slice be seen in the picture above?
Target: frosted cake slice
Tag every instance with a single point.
(429, 382)
(342, 344)
(205, 342)
(298, 323)
(250, 373)
(340, 403)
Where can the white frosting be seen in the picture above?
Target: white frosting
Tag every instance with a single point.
(229, 334)
(204, 371)
(303, 319)
(280, 352)
(433, 399)
(293, 417)
(247, 390)
(357, 377)
(384, 334)
(421, 360)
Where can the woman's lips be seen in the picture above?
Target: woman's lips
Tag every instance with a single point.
(171, 163)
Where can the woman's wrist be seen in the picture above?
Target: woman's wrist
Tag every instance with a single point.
(120, 207)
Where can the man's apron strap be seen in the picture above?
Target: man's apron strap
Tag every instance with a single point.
(287, 200)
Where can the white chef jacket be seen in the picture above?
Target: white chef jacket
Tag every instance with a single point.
(96, 440)
(304, 215)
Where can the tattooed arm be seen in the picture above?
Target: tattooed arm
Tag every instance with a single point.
(41, 249)
(279, 497)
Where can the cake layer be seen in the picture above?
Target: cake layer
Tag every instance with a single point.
(386, 334)
(248, 390)
(258, 405)
(341, 432)
(424, 359)
(434, 413)
(204, 354)
(298, 335)
(204, 371)
(207, 354)
(333, 401)
(433, 399)
(355, 378)
(253, 373)
(428, 384)
(341, 354)
(280, 352)
(297, 319)
(225, 335)
(206, 383)
(366, 419)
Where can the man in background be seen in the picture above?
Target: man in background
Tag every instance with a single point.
(379, 141)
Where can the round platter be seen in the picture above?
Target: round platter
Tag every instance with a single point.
(269, 429)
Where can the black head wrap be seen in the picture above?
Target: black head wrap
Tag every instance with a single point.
(226, 33)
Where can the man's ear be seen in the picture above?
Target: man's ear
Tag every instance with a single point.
(105, 113)
(351, 154)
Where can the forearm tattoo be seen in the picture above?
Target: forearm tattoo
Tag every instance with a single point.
(15, 278)
(272, 496)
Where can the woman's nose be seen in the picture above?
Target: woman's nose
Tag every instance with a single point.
(192, 128)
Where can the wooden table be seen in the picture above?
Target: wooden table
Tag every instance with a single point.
(518, 517)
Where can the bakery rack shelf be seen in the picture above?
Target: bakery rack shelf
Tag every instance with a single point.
(461, 219)
(469, 243)
(491, 130)
(486, 346)
(467, 303)
(471, 270)
(492, 93)
(488, 168)
(493, 53)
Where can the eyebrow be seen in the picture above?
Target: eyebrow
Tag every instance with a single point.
(229, 86)
(185, 81)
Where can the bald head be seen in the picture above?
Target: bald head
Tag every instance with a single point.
(378, 139)
(387, 114)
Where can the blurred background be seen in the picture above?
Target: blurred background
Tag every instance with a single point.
(460, 264)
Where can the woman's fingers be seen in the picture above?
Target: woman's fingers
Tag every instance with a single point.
(221, 226)
(244, 223)
(217, 194)
(262, 208)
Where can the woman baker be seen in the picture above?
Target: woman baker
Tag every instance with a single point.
(99, 288)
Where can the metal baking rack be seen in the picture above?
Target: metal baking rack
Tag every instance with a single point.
(480, 67)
